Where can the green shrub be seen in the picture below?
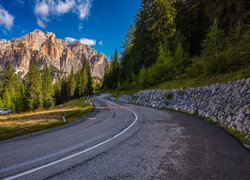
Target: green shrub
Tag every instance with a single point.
(196, 68)
(169, 96)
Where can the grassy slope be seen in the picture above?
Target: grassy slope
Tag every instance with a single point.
(26, 123)
(203, 81)
(192, 82)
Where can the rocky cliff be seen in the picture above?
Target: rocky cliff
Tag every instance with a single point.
(44, 47)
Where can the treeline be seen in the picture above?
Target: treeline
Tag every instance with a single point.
(75, 85)
(174, 39)
(36, 90)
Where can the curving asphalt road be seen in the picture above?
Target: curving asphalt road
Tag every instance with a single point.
(121, 141)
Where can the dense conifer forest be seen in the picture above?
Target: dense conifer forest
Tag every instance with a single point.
(37, 91)
(176, 39)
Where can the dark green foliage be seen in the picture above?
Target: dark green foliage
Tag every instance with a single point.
(213, 37)
(36, 90)
(193, 22)
(126, 59)
(9, 88)
(75, 85)
(21, 97)
(195, 16)
(213, 45)
(72, 83)
(33, 83)
(47, 88)
(229, 13)
(154, 27)
(57, 95)
(1, 103)
(87, 79)
(179, 60)
(97, 84)
(169, 96)
(221, 53)
(112, 74)
(161, 71)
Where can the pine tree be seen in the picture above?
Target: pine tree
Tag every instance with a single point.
(214, 41)
(106, 77)
(164, 68)
(155, 25)
(72, 84)
(229, 13)
(10, 84)
(1, 103)
(21, 98)
(115, 69)
(126, 62)
(57, 95)
(81, 83)
(112, 74)
(193, 22)
(48, 90)
(143, 51)
(163, 24)
(179, 59)
(213, 45)
(87, 79)
(33, 83)
(7, 101)
(64, 90)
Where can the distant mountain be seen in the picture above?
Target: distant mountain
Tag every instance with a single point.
(45, 48)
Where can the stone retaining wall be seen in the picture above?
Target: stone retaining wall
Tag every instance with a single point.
(228, 103)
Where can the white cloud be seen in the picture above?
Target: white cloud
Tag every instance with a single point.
(84, 9)
(64, 7)
(6, 19)
(80, 27)
(42, 10)
(42, 13)
(46, 8)
(101, 43)
(41, 23)
(70, 39)
(89, 42)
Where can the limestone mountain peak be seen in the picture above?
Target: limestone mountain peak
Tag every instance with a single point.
(45, 48)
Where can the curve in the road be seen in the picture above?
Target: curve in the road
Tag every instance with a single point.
(83, 151)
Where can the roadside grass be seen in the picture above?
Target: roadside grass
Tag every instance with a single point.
(25, 123)
(243, 138)
(190, 82)
(203, 81)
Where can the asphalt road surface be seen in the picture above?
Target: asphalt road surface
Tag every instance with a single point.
(121, 141)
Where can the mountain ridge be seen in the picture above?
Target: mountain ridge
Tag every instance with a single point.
(45, 48)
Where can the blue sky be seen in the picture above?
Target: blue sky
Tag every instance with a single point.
(102, 24)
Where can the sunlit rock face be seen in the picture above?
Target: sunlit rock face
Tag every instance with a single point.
(45, 48)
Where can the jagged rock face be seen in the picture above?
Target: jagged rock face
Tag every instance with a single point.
(47, 50)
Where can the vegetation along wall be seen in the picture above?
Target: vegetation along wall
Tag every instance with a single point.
(226, 104)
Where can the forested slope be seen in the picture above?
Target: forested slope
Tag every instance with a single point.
(172, 40)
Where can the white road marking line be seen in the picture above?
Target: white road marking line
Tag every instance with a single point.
(81, 152)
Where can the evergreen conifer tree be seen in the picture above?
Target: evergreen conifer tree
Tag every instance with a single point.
(47, 88)
(33, 83)
(72, 84)
(87, 78)
(10, 84)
